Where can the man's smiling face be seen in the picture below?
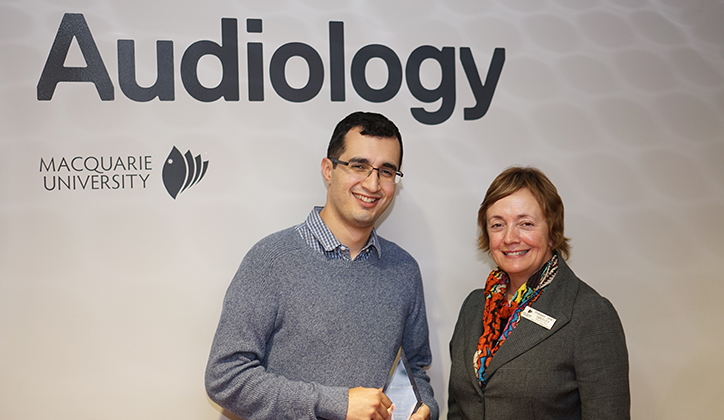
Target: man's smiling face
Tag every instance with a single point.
(353, 201)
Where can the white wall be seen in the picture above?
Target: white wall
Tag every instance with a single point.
(109, 298)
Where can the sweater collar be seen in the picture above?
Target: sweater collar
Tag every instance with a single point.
(329, 242)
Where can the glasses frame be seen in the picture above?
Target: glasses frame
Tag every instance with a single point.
(396, 180)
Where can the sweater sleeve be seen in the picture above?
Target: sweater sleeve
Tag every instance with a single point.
(416, 345)
(236, 378)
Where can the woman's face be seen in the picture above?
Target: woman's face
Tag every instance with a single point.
(518, 232)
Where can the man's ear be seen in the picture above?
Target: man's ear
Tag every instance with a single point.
(327, 170)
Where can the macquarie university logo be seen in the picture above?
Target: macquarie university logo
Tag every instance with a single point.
(181, 172)
(114, 173)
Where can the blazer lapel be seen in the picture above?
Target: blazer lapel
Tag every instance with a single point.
(471, 341)
(556, 301)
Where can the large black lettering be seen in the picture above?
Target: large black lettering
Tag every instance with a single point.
(359, 76)
(73, 25)
(279, 79)
(483, 93)
(227, 53)
(336, 61)
(445, 90)
(163, 88)
(254, 62)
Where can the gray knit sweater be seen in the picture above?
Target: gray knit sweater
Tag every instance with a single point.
(297, 330)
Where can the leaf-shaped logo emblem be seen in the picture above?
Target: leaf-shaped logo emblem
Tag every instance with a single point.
(181, 172)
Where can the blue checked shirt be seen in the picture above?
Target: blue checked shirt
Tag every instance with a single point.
(317, 235)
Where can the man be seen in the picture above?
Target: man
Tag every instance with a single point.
(314, 316)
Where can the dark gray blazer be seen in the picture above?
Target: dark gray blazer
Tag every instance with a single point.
(576, 370)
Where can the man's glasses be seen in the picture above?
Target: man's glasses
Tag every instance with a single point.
(363, 170)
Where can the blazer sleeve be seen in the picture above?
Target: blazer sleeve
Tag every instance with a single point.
(464, 398)
(601, 360)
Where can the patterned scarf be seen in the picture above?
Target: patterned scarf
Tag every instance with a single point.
(500, 316)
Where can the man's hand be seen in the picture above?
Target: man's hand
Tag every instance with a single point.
(369, 403)
(422, 413)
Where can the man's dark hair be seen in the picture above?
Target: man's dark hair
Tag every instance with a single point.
(372, 124)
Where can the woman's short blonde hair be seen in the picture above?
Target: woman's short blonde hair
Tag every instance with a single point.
(516, 178)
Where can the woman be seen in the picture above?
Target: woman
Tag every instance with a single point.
(536, 342)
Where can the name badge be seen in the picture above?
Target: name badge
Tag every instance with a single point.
(538, 317)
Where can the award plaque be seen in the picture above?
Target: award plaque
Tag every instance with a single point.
(401, 389)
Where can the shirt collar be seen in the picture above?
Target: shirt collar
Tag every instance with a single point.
(326, 238)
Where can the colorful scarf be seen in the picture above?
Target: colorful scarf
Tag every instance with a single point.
(501, 316)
